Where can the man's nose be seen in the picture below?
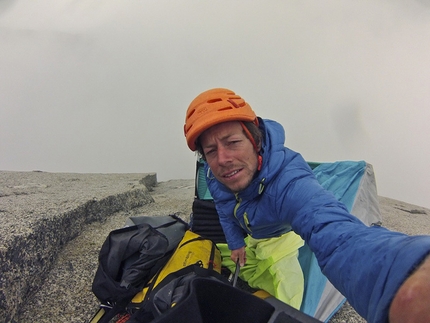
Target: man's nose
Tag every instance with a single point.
(224, 156)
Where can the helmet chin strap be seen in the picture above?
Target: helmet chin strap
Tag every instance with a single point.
(260, 162)
(248, 134)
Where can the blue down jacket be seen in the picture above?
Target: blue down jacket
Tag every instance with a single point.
(366, 264)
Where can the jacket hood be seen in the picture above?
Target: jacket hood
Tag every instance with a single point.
(273, 149)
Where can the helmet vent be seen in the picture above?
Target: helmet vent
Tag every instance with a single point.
(191, 113)
(233, 103)
(214, 100)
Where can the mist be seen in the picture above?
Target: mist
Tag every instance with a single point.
(102, 87)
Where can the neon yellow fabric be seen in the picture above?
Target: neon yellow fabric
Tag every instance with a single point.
(272, 265)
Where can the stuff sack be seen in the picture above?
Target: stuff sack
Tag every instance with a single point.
(130, 257)
(194, 254)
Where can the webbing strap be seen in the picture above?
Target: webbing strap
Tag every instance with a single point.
(104, 314)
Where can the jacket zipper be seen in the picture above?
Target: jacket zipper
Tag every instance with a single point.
(245, 215)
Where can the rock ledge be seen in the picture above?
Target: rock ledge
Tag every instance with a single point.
(41, 212)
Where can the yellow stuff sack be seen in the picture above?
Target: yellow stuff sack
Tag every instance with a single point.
(192, 250)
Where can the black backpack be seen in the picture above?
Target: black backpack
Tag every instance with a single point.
(130, 257)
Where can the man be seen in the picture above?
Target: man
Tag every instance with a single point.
(267, 190)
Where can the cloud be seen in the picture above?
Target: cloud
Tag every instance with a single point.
(103, 87)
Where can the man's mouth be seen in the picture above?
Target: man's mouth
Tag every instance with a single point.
(231, 174)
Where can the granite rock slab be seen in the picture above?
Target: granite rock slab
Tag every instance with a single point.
(41, 212)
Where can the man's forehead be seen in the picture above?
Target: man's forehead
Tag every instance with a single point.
(221, 131)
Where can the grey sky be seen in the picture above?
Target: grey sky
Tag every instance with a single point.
(89, 86)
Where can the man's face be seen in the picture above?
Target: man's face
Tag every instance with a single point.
(230, 155)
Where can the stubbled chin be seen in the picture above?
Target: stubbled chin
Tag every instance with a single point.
(235, 186)
(234, 183)
(231, 185)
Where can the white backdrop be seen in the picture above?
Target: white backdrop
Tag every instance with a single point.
(102, 87)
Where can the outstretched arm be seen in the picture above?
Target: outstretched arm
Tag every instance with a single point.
(411, 302)
(371, 266)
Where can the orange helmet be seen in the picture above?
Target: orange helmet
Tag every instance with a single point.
(212, 107)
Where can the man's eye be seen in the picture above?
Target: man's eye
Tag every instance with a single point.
(210, 152)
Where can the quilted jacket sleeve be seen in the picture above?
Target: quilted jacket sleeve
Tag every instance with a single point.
(366, 264)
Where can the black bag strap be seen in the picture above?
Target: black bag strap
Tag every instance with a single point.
(107, 313)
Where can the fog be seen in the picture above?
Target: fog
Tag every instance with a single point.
(102, 87)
